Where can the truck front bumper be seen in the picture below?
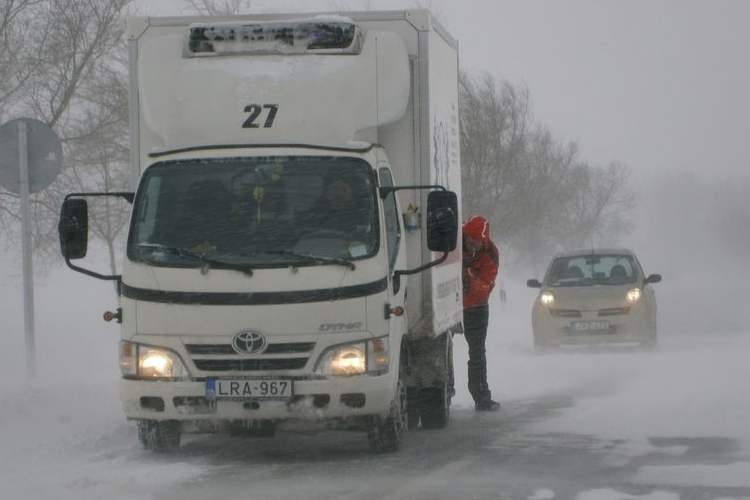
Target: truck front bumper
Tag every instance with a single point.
(332, 403)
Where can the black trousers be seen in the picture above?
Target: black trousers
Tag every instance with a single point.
(475, 331)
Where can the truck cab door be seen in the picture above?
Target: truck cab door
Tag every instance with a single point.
(395, 251)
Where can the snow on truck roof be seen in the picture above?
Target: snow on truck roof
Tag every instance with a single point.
(319, 34)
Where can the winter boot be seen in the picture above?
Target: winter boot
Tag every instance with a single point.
(487, 405)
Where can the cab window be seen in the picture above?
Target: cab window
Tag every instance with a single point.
(390, 212)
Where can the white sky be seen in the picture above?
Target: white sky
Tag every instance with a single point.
(656, 84)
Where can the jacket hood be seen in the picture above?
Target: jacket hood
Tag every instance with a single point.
(477, 227)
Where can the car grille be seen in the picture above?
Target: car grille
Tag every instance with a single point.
(575, 313)
(565, 313)
(223, 358)
(614, 311)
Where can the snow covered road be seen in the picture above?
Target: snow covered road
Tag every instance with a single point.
(671, 424)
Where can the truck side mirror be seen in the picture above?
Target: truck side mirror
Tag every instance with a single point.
(442, 221)
(73, 228)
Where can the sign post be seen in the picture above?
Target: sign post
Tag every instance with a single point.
(28, 273)
(30, 160)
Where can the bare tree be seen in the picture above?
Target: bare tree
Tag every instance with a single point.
(534, 209)
(99, 161)
(16, 57)
(494, 132)
(219, 7)
(595, 216)
(75, 83)
(540, 195)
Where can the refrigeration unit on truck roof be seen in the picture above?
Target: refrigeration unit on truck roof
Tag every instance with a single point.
(212, 92)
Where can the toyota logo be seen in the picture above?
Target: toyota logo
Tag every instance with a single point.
(249, 342)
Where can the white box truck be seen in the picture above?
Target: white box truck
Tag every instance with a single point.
(292, 257)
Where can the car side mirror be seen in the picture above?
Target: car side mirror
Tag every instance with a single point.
(652, 278)
(442, 221)
(73, 228)
(533, 283)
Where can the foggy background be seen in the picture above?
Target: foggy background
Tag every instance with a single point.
(659, 86)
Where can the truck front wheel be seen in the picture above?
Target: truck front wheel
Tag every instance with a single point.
(159, 436)
(386, 435)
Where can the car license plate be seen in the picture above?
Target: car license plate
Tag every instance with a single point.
(589, 326)
(249, 388)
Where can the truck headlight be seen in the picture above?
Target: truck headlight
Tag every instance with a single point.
(139, 360)
(633, 295)
(370, 356)
(348, 360)
(546, 298)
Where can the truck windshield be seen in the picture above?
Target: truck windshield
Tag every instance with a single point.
(255, 212)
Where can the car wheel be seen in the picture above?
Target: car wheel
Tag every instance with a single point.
(541, 347)
(649, 344)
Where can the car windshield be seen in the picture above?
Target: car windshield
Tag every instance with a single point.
(255, 212)
(593, 269)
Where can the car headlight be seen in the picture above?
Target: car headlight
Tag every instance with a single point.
(138, 360)
(546, 298)
(369, 356)
(633, 295)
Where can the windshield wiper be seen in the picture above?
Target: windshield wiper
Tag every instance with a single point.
(206, 261)
(315, 258)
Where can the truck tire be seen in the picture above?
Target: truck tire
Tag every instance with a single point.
(385, 436)
(435, 407)
(435, 402)
(412, 408)
(159, 436)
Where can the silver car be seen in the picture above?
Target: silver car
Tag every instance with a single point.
(594, 296)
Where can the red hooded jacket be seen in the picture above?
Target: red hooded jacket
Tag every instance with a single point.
(480, 268)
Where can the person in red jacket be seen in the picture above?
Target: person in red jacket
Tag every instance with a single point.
(481, 261)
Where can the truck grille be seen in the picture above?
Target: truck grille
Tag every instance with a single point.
(249, 365)
(287, 348)
(223, 358)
